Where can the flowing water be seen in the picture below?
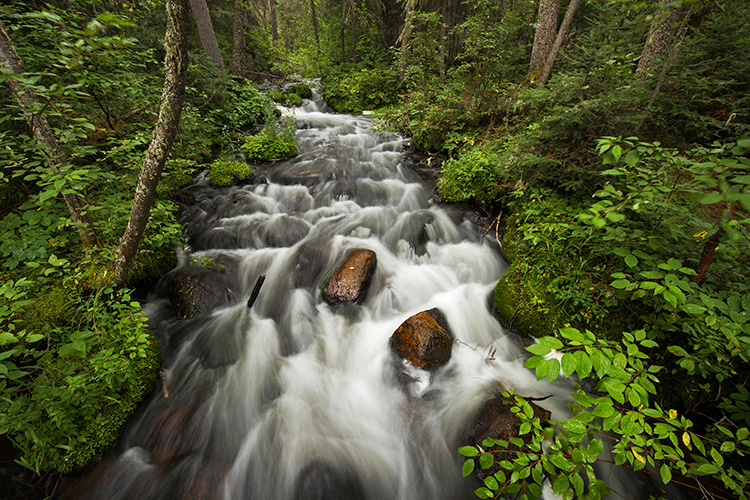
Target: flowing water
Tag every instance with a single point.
(294, 398)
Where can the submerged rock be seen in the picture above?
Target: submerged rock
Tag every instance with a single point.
(318, 480)
(496, 420)
(424, 340)
(351, 281)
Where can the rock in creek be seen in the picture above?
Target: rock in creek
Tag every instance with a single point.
(319, 481)
(350, 282)
(424, 340)
(191, 295)
(495, 420)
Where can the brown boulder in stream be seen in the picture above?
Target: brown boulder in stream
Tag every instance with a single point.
(496, 420)
(424, 340)
(350, 282)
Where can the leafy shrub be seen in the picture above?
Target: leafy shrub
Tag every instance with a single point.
(70, 389)
(272, 143)
(474, 175)
(357, 90)
(226, 173)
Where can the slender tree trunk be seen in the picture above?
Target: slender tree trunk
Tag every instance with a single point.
(31, 107)
(544, 37)
(239, 54)
(274, 23)
(707, 255)
(659, 40)
(561, 34)
(405, 35)
(173, 95)
(355, 37)
(315, 25)
(206, 32)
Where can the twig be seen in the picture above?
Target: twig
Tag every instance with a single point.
(256, 291)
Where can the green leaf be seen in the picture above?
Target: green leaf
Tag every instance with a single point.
(539, 349)
(486, 460)
(666, 473)
(631, 260)
(632, 157)
(727, 446)
(710, 198)
(569, 364)
(468, 467)
(468, 451)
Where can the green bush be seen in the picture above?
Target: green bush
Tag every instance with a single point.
(272, 143)
(70, 380)
(226, 173)
(472, 176)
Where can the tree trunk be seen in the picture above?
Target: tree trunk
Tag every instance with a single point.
(176, 64)
(561, 34)
(315, 25)
(707, 256)
(405, 34)
(659, 40)
(274, 23)
(206, 32)
(544, 37)
(30, 106)
(239, 53)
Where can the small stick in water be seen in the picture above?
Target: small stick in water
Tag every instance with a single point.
(256, 291)
(164, 389)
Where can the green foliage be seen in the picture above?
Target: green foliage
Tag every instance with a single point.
(474, 175)
(360, 89)
(273, 142)
(639, 432)
(67, 391)
(226, 173)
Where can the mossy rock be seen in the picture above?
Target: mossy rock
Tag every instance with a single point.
(105, 429)
(302, 90)
(522, 308)
(293, 99)
(152, 265)
(227, 173)
(276, 95)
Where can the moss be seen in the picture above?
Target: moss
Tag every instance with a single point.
(152, 265)
(226, 173)
(522, 306)
(104, 430)
(276, 95)
(293, 99)
(302, 90)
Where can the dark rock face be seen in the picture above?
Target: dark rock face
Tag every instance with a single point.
(319, 481)
(191, 295)
(424, 340)
(351, 281)
(495, 420)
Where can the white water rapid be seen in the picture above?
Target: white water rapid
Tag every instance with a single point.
(297, 399)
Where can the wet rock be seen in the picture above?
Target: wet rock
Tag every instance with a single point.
(424, 340)
(495, 420)
(191, 295)
(320, 481)
(350, 282)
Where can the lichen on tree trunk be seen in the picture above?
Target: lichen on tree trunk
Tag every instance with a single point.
(173, 95)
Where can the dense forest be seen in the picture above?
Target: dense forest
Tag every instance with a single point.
(607, 142)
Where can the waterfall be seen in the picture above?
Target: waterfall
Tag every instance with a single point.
(295, 398)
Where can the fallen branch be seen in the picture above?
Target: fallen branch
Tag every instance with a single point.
(256, 290)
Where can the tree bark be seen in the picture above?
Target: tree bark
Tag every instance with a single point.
(405, 34)
(561, 34)
(544, 36)
(173, 95)
(31, 107)
(239, 53)
(659, 40)
(206, 32)
(707, 256)
(315, 25)
(274, 23)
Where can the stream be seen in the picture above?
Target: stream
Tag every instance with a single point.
(297, 399)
